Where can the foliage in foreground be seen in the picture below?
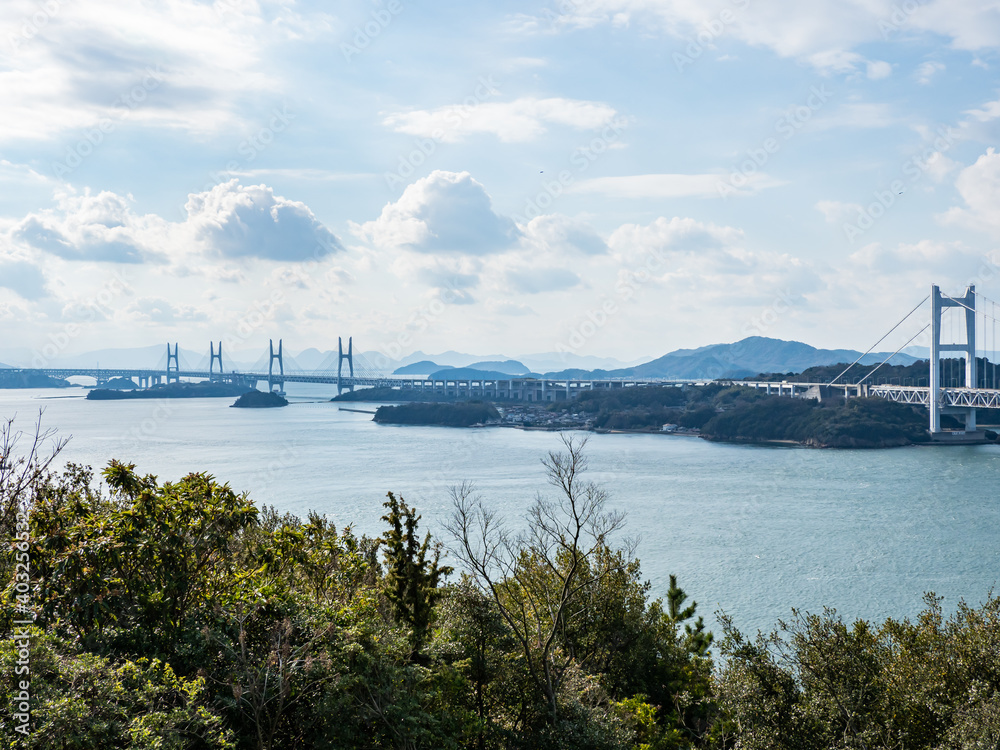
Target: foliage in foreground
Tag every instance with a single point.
(179, 615)
(820, 683)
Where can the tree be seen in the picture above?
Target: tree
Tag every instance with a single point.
(411, 578)
(536, 577)
(82, 700)
(21, 475)
(136, 572)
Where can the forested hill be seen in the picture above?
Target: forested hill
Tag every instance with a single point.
(742, 414)
(738, 360)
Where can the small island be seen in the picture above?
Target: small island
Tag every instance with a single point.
(120, 384)
(445, 415)
(30, 379)
(259, 400)
(203, 389)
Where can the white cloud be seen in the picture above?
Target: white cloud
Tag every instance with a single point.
(237, 221)
(939, 166)
(92, 227)
(445, 212)
(878, 69)
(671, 185)
(562, 234)
(927, 256)
(989, 112)
(927, 70)
(229, 221)
(632, 241)
(697, 267)
(823, 33)
(520, 120)
(183, 63)
(979, 186)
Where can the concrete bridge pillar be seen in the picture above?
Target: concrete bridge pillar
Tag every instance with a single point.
(340, 363)
(271, 379)
(935, 397)
(173, 373)
(213, 357)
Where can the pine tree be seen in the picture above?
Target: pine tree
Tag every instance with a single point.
(697, 640)
(411, 579)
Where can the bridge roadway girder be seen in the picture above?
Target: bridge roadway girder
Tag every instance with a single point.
(962, 398)
(959, 398)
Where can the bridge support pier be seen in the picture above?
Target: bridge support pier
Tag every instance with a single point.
(935, 400)
(271, 380)
(340, 363)
(173, 373)
(213, 357)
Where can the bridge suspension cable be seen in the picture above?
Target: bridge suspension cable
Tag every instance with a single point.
(883, 339)
(894, 353)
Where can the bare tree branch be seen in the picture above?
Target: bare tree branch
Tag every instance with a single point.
(537, 577)
(22, 471)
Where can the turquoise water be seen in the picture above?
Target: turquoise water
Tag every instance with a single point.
(750, 530)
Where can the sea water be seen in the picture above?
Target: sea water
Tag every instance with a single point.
(752, 531)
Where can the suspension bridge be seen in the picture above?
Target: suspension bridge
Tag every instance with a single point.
(345, 370)
(360, 372)
(955, 386)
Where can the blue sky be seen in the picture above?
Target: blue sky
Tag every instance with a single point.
(610, 177)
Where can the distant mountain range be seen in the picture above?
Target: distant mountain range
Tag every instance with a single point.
(543, 362)
(470, 372)
(745, 358)
(423, 367)
(751, 356)
(508, 367)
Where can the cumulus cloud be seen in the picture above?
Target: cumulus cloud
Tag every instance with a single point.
(445, 212)
(91, 227)
(228, 222)
(557, 233)
(237, 222)
(520, 120)
(979, 186)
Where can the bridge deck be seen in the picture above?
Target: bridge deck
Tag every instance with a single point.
(982, 398)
